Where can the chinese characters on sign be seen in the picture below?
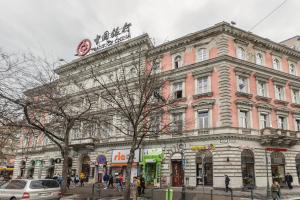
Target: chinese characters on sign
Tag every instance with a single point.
(115, 36)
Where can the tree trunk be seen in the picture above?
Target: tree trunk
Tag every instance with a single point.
(65, 169)
(126, 195)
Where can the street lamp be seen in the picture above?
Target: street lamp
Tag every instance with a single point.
(181, 148)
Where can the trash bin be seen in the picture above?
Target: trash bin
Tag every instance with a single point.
(169, 194)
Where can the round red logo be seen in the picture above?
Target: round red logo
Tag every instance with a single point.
(84, 47)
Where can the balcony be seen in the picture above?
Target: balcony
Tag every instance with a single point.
(83, 143)
(280, 137)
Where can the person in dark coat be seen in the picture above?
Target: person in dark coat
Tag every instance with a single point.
(110, 181)
(227, 181)
(143, 185)
(105, 179)
(289, 180)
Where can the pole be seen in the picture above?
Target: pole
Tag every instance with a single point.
(202, 157)
(267, 168)
(183, 186)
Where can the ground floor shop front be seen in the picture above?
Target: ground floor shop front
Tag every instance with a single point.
(190, 162)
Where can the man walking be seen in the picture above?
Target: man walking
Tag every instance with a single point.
(289, 180)
(227, 181)
(105, 179)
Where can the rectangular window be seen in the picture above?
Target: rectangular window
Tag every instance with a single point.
(295, 96)
(177, 122)
(297, 124)
(279, 92)
(203, 119)
(155, 124)
(202, 85)
(244, 119)
(242, 84)
(261, 89)
(282, 123)
(177, 90)
(263, 120)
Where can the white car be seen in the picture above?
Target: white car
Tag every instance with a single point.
(30, 189)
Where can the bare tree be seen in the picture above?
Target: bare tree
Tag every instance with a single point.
(42, 102)
(134, 92)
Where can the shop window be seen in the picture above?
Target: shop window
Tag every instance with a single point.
(259, 58)
(203, 119)
(177, 90)
(248, 173)
(262, 88)
(204, 168)
(278, 167)
(201, 54)
(177, 62)
(279, 92)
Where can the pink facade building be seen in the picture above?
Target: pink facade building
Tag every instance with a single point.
(238, 104)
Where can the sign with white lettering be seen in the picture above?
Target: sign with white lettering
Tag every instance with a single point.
(121, 156)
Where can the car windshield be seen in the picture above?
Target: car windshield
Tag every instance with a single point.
(14, 184)
(40, 184)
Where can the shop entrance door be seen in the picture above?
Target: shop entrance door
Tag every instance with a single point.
(85, 167)
(150, 174)
(177, 173)
(208, 178)
(278, 167)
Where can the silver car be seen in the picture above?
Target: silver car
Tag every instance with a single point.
(30, 189)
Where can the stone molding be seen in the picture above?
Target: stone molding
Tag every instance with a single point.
(241, 42)
(207, 94)
(203, 72)
(244, 103)
(242, 71)
(262, 98)
(262, 77)
(279, 81)
(277, 101)
(244, 94)
(178, 109)
(204, 104)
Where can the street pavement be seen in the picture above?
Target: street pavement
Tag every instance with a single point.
(85, 193)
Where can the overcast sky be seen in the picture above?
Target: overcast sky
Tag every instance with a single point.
(53, 28)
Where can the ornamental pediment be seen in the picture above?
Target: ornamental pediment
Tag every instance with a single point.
(204, 103)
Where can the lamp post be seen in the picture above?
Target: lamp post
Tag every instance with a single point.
(267, 168)
(181, 147)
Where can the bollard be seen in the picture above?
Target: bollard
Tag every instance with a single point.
(251, 194)
(169, 194)
(93, 189)
(211, 194)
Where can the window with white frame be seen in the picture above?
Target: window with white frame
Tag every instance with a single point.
(155, 124)
(201, 54)
(177, 122)
(295, 96)
(279, 92)
(242, 84)
(178, 90)
(282, 122)
(202, 85)
(241, 53)
(203, 119)
(244, 118)
(264, 120)
(292, 69)
(261, 88)
(177, 61)
(259, 58)
(297, 121)
(276, 64)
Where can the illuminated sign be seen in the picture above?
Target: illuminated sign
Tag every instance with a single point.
(122, 155)
(210, 147)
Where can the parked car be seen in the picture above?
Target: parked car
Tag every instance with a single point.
(29, 189)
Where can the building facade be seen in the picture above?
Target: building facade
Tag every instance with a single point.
(238, 112)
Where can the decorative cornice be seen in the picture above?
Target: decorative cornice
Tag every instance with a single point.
(204, 103)
(242, 42)
(179, 108)
(242, 71)
(203, 72)
(262, 77)
(279, 81)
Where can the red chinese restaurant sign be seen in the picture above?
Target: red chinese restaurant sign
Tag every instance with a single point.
(276, 149)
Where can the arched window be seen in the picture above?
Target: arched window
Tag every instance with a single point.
(241, 53)
(298, 166)
(177, 62)
(292, 69)
(248, 173)
(201, 54)
(276, 64)
(278, 166)
(259, 59)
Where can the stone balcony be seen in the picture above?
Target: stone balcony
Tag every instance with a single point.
(88, 142)
(280, 137)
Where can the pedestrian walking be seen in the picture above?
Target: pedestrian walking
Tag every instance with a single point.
(76, 180)
(138, 186)
(121, 181)
(110, 181)
(227, 181)
(68, 182)
(275, 189)
(105, 180)
(289, 180)
(143, 185)
(118, 183)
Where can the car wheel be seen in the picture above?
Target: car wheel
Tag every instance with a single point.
(14, 198)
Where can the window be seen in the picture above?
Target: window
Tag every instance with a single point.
(15, 184)
(202, 85)
(259, 59)
(261, 89)
(292, 69)
(276, 64)
(203, 119)
(242, 84)
(263, 120)
(177, 122)
(244, 119)
(295, 96)
(201, 54)
(297, 124)
(279, 92)
(155, 124)
(156, 67)
(177, 62)
(132, 73)
(241, 53)
(282, 123)
(177, 90)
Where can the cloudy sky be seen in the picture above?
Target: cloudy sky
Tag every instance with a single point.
(53, 28)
